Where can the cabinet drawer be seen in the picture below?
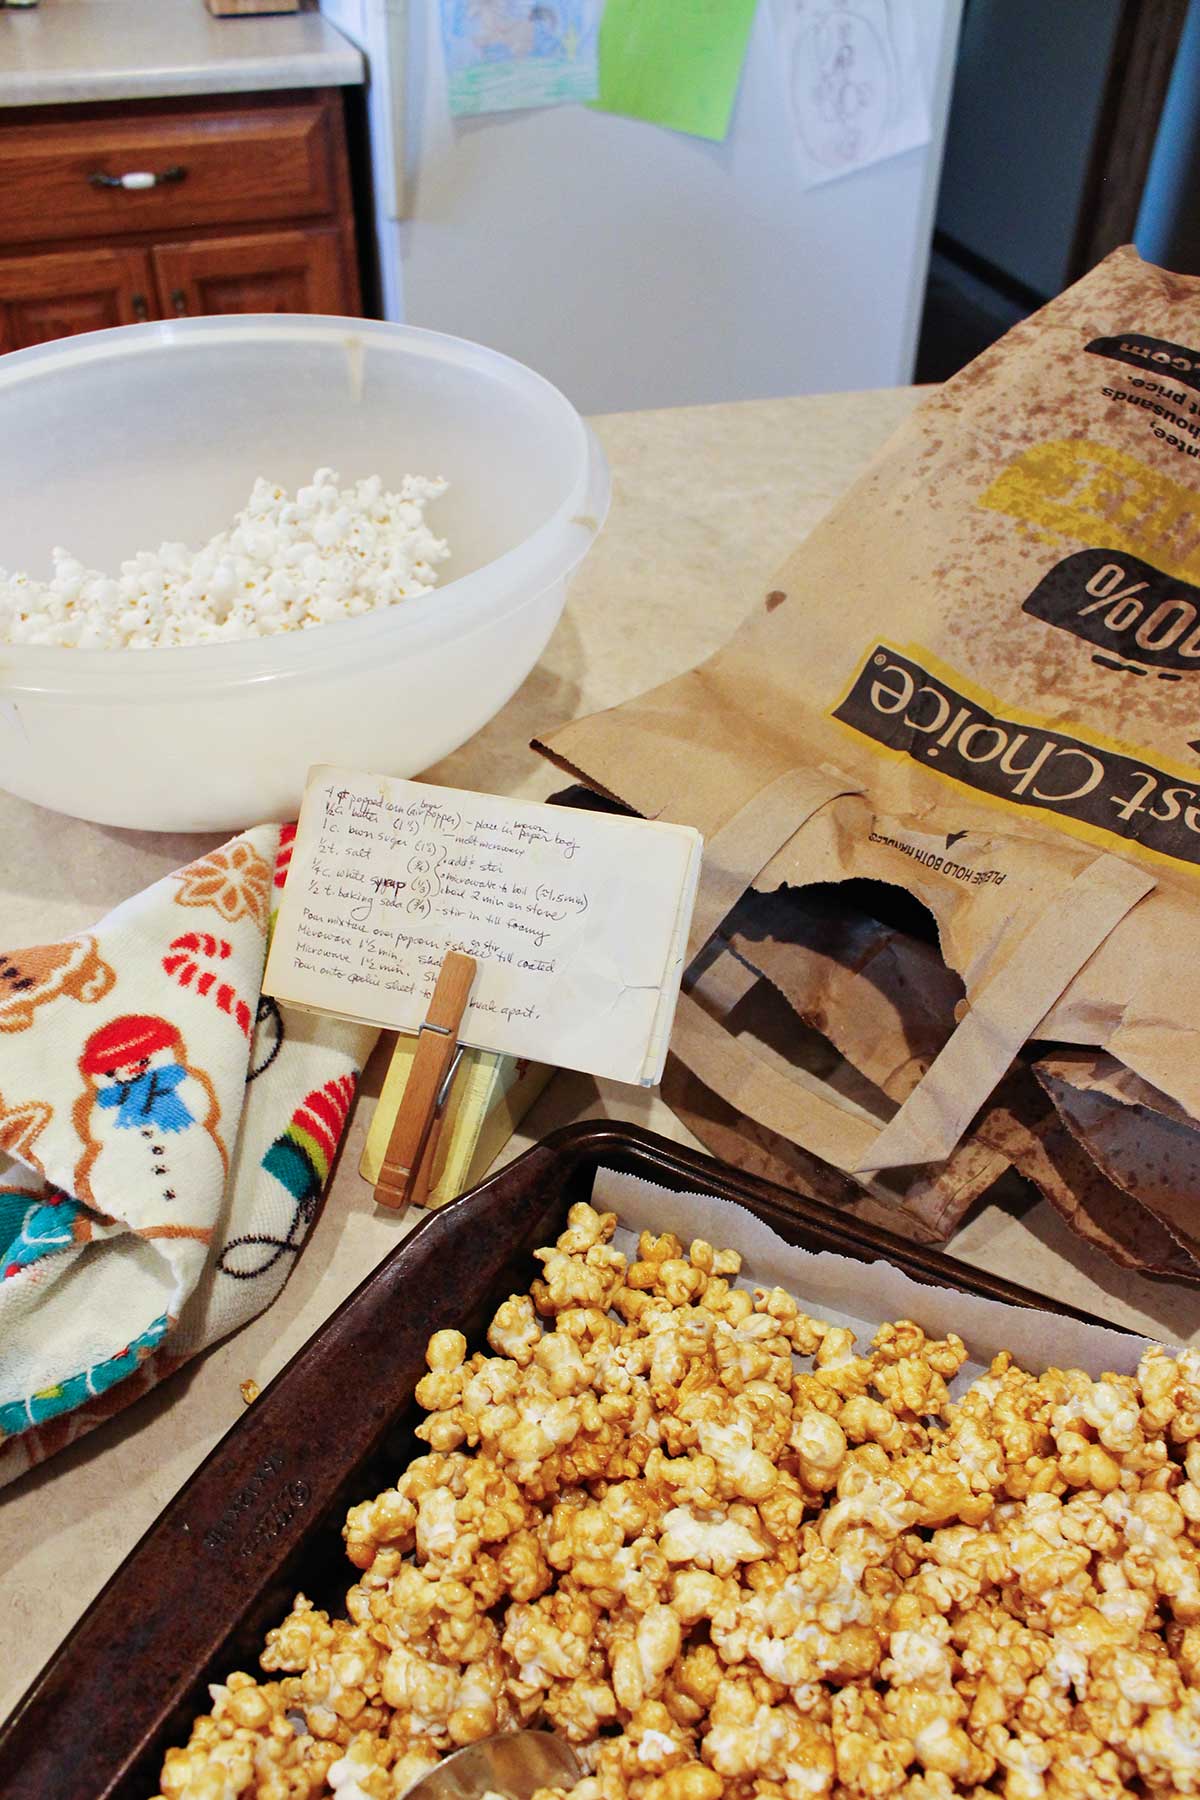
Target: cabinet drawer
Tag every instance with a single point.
(222, 164)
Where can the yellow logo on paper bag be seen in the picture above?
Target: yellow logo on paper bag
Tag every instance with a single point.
(954, 731)
(1099, 495)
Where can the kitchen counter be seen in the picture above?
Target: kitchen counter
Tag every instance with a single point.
(707, 503)
(68, 51)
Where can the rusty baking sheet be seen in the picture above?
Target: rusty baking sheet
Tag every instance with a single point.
(262, 1515)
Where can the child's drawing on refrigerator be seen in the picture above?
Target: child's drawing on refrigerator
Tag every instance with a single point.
(852, 83)
(503, 54)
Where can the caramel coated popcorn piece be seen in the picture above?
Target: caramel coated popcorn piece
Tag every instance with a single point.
(729, 1553)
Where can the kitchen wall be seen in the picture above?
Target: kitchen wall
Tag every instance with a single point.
(349, 15)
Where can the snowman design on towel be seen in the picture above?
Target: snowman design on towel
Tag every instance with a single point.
(148, 1121)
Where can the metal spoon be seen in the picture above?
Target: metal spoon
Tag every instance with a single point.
(515, 1764)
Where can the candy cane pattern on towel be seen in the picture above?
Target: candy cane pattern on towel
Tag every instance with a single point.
(283, 856)
(181, 963)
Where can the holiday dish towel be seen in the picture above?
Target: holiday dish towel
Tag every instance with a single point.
(166, 1131)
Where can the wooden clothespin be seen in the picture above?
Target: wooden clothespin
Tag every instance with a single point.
(408, 1163)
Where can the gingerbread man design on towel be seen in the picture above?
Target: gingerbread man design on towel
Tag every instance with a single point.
(148, 1120)
(31, 978)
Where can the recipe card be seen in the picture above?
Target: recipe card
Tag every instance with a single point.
(578, 920)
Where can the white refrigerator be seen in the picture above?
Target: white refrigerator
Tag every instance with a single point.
(635, 266)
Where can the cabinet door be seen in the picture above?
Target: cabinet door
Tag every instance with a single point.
(305, 271)
(43, 297)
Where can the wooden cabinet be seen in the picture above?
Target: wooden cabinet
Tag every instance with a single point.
(163, 208)
(268, 271)
(43, 297)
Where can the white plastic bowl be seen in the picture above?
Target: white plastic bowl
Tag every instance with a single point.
(114, 441)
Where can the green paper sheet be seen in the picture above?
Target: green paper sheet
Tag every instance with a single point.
(674, 62)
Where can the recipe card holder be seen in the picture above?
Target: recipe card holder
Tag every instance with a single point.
(407, 1167)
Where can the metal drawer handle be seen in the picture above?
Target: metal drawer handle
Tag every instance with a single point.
(136, 179)
(179, 302)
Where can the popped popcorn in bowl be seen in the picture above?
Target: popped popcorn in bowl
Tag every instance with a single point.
(726, 1552)
(115, 440)
(286, 564)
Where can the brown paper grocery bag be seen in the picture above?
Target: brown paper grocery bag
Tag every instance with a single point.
(978, 679)
(742, 1045)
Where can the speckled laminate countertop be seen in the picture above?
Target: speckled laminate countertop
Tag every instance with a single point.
(707, 503)
(67, 51)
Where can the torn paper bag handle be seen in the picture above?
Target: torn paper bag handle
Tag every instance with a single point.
(1032, 966)
(740, 849)
(1007, 1009)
